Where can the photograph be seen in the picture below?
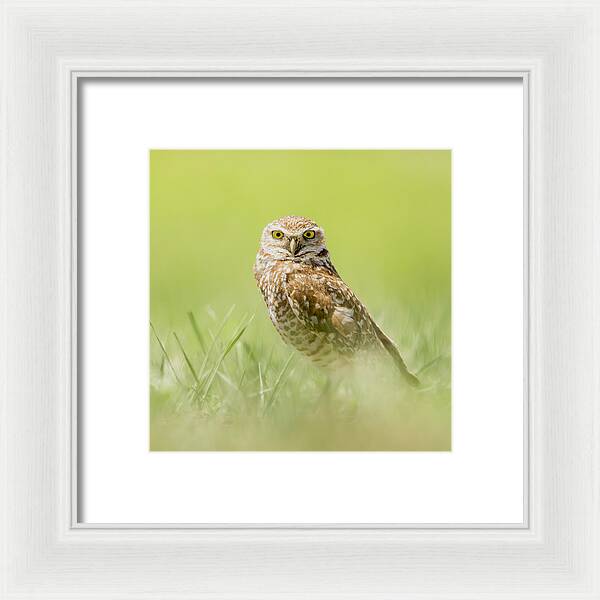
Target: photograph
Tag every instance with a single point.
(300, 300)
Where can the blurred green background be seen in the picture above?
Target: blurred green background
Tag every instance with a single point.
(387, 218)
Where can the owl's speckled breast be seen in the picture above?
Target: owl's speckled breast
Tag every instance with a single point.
(273, 283)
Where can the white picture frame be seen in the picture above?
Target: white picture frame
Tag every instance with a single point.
(554, 47)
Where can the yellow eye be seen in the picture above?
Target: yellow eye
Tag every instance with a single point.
(277, 234)
(309, 235)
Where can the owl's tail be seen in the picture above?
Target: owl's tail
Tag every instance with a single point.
(397, 357)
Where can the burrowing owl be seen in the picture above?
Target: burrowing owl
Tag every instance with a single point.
(309, 303)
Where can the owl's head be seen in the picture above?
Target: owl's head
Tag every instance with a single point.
(293, 238)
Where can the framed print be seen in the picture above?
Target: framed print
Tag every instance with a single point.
(299, 300)
(211, 372)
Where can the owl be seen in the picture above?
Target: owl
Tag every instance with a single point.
(308, 302)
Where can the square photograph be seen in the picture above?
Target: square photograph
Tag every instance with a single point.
(300, 300)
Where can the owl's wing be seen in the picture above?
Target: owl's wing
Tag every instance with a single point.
(393, 351)
(326, 305)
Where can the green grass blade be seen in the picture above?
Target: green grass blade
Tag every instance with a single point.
(430, 364)
(228, 381)
(164, 351)
(222, 326)
(278, 381)
(214, 342)
(249, 352)
(211, 376)
(196, 330)
(236, 337)
(241, 381)
(262, 387)
(186, 357)
(268, 362)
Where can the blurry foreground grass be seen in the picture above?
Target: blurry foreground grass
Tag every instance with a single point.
(216, 384)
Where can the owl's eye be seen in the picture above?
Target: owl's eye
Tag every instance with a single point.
(277, 234)
(309, 235)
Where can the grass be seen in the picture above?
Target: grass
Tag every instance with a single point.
(219, 383)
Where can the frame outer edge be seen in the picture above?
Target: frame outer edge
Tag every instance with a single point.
(38, 561)
(4, 309)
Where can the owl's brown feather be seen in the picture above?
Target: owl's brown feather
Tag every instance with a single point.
(324, 304)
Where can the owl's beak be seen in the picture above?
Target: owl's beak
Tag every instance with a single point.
(293, 246)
